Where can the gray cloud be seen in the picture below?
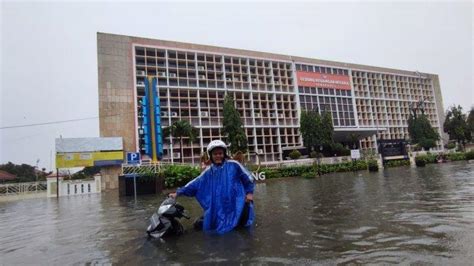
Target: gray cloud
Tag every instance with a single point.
(49, 54)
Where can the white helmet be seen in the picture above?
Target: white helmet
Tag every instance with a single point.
(216, 144)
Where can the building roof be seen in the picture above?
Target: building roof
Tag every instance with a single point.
(257, 54)
(53, 174)
(6, 176)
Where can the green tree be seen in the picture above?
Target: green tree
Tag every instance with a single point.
(421, 132)
(316, 130)
(470, 123)
(327, 132)
(427, 143)
(232, 129)
(311, 129)
(295, 154)
(353, 140)
(183, 131)
(456, 126)
(24, 172)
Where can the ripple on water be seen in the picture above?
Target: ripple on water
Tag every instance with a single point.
(360, 230)
(292, 233)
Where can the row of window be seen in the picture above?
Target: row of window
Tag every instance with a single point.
(324, 91)
(322, 70)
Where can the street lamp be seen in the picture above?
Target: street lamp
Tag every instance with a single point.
(36, 169)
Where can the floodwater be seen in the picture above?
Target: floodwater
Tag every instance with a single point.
(400, 215)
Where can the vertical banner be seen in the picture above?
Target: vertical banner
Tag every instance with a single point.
(146, 120)
(157, 111)
(151, 100)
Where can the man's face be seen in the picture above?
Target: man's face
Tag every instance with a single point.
(217, 155)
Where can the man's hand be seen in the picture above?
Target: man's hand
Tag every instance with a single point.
(249, 197)
(172, 195)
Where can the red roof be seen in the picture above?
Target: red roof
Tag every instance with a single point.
(6, 176)
(54, 175)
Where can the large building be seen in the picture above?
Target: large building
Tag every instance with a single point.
(270, 91)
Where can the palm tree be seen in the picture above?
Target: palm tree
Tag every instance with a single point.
(353, 140)
(181, 130)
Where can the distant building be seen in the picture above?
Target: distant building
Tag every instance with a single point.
(5, 176)
(270, 91)
(53, 175)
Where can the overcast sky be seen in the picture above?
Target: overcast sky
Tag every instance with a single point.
(49, 51)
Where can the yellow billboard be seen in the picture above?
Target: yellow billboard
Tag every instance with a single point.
(82, 159)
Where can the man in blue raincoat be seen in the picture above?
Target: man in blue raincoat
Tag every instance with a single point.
(224, 190)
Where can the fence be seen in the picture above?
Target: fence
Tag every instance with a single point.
(22, 188)
(147, 167)
(307, 161)
(74, 187)
(150, 167)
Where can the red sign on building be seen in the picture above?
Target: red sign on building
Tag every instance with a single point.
(312, 79)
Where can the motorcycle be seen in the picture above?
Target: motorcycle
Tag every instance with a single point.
(165, 221)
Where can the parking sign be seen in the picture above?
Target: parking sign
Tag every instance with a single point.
(133, 158)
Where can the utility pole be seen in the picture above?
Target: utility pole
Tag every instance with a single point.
(57, 183)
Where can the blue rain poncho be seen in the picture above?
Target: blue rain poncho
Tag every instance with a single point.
(221, 191)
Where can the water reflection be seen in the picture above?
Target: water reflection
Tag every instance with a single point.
(400, 215)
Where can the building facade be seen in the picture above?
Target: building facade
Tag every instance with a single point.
(269, 91)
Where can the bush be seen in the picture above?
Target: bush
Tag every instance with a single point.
(271, 173)
(469, 155)
(315, 154)
(396, 163)
(295, 154)
(294, 170)
(360, 165)
(307, 171)
(427, 144)
(340, 150)
(451, 146)
(421, 160)
(430, 158)
(368, 154)
(457, 156)
(178, 175)
(416, 147)
(309, 175)
(342, 167)
(373, 166)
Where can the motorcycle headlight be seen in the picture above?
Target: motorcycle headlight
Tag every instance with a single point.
(163, 209)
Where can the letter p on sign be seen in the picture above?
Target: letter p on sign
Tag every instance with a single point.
(133, 158)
